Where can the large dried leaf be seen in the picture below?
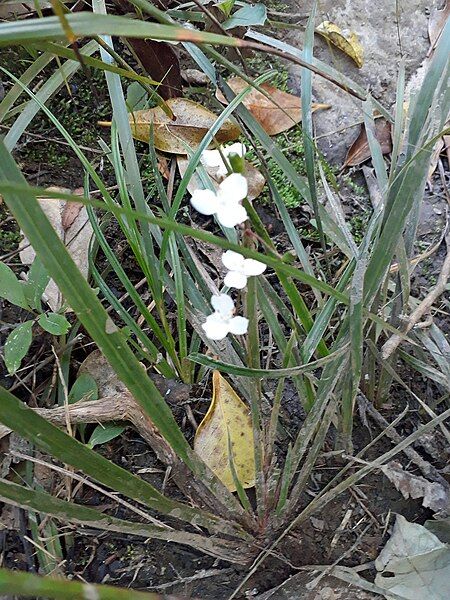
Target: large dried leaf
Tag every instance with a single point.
(273, 119)
(192, 122)
(347, 42)
(359, 151)
(160, 62)
(414, 564)
(433, 494)
(439, 147)
(255, 179)
(71, 223)
(227, 424)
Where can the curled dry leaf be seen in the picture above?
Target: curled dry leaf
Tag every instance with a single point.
(439, 147)
(255, 179)
(433, 494)
(359, 151)
(275, 117)
(414, 564)
(347, 42)
(71, 223)
(185, 132)
(227, 420)
(194, 77)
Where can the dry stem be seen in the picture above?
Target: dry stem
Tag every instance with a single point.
(392, 343)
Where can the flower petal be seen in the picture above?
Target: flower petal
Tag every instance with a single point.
(233, 188)
(222, 171)
(211, 158)
(233, 261)
(238, 325)
(223, 304)
(236, 148)
(205, 201)
(235, 279)
(253, 267)
(231, 215)
(215, 327)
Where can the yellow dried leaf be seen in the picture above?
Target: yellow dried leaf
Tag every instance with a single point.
(228, 419)
(349, 44)
(191, 123)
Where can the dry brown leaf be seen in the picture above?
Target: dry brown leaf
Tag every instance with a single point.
(435, 155)
(192, 122)
(359, 151)
(194, 77)
(433, 494)
(255, 179)
(446, 139)
(74, 230)
(163, 166)
(348, 43)
(275, 117)
(227, 421)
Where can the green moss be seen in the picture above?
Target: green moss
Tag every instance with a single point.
(9, 232)
(291, 143)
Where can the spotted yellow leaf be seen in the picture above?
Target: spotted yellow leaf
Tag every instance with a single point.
(227, 425)
(190, 124)
(349, 44)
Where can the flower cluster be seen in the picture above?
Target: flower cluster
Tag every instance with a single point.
(225, 205)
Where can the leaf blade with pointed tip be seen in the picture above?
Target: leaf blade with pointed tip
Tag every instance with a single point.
(227, 423)
(17, 345)
(10, 287)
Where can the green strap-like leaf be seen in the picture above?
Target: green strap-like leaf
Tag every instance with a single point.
(30, 425)
(45, 503)
(16, 346)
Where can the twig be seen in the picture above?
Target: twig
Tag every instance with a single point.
(393, 342)
(425, 467)
(123, 407)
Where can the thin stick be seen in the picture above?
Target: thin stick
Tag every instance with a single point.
(393, 342)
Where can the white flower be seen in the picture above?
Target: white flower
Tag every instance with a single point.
(212, 158)
(225, 203)
(222, 321)
(240, 268)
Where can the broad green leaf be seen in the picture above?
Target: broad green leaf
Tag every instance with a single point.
(247, 16)
(17, 345)
(226, 7)
(54, 323)
(104, 433)
(137, 97)
(10, 287)
(84, 388)
(37, 281)
(227, 423)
